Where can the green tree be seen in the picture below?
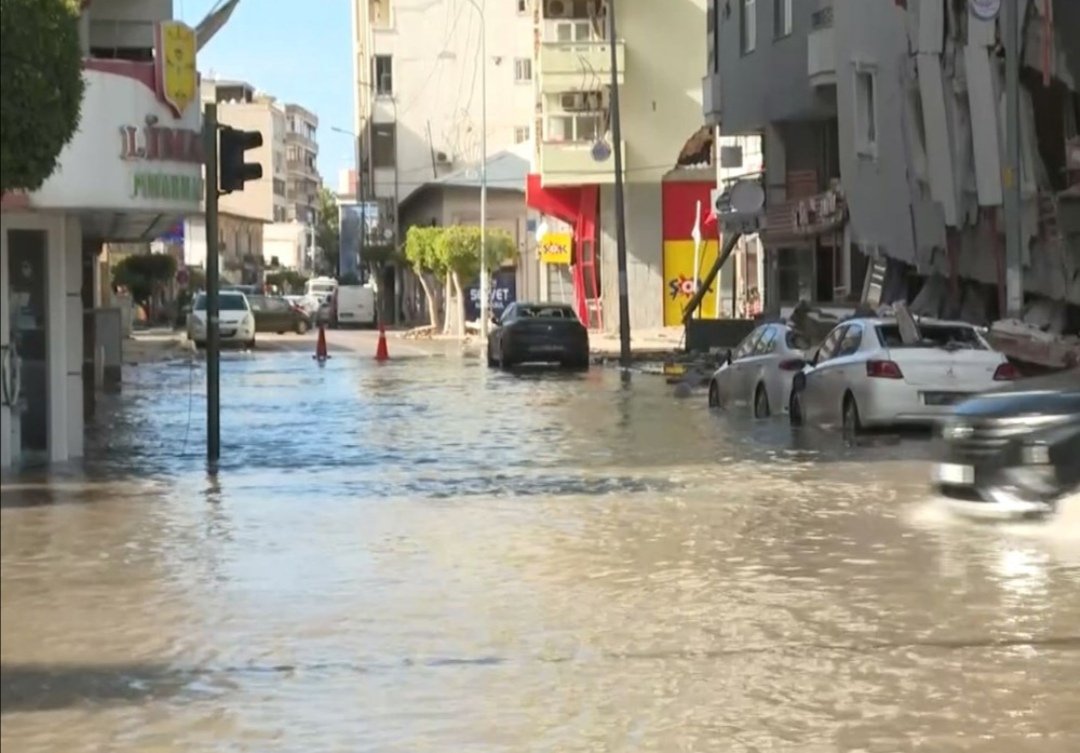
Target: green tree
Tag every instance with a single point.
(458, 251)
(422, 255)
(41, 88)
(146, 276)
(288, 280)
(328, 231)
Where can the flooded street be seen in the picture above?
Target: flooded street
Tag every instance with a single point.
(428, 556)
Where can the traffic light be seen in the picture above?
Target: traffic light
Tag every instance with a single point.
(234, 170)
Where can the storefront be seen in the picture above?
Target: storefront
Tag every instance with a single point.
(131, 172)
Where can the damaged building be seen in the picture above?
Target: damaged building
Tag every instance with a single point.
(884, 141)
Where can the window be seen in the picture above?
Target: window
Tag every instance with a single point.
(767, 343)
(575, 31)
(523, 6)
(522, 70)
(383, 144)
(797, 340)
(945, 336)
(866, 112)
(746, 347)
(585, 127)
(384, 75)
(851, 341)
(782, 18)
(521, 134)
(748, 26)
(832, 342)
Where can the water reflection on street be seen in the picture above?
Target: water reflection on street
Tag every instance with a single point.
(426, 555)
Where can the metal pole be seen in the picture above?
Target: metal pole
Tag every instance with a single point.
(483, 176)
(213, 354)
(1014, 287)
(620, 210)
(361, 196)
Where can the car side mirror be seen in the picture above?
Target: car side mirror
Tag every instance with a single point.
(728, 356)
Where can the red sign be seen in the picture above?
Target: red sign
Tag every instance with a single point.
(160, 144)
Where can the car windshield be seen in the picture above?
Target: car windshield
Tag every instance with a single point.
(226, 302)
(546, 312)
(946, 336)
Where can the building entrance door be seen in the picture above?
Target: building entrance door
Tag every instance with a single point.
(25, 364)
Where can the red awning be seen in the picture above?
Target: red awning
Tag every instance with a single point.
(562, 202)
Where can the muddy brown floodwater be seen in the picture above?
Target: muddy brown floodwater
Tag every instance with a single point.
(426, 556)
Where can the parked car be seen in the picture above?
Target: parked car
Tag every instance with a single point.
(276, 314)
(1013, 452)
(538, 333)
(864, 374)
(236, 323)
(759, 371)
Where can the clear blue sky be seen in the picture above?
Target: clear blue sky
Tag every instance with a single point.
(296, 51)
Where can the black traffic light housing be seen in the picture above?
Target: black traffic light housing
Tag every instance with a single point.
(234, 170)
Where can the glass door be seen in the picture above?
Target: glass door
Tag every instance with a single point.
(27, 385)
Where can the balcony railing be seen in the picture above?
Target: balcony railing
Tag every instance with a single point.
(576, 66)
(822, 18)
(574, 163)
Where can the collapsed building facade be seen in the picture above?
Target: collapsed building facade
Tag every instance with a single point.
(884, 140)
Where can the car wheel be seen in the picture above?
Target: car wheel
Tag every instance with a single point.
(301, 327)
(504, 362)
(795, 408)
(852, 423)
(761, 402)
(714, 394)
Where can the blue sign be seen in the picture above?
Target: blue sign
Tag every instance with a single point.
(503, 292)
(175, 234)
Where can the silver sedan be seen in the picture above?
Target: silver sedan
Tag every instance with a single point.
(759, 371)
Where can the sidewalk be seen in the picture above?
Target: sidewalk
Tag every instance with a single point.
(155, 345)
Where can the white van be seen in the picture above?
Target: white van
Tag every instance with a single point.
(354, 306)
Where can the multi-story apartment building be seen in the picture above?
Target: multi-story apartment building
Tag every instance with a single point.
(418, 103)
(660, 108)
(303, 182)
(884, 130)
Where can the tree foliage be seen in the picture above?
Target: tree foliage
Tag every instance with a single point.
(41, 88)
(144, 274)
(421, 251)
(457, 249)
(328, 230)
(288, 280)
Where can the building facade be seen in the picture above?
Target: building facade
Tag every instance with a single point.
(662, 142)
(418, 95)
(130, 173)
(302, 182)
(883, 127)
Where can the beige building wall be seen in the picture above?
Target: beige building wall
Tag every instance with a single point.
(433, 90)
(262, 199)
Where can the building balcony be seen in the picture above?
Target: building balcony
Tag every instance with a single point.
(711, 87)
(573, 163)
(301, 168)
(821, 48)
(296, 137)
(575, 66)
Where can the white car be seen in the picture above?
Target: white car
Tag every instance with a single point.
(760, 370)
(864, 375)
(236, 322)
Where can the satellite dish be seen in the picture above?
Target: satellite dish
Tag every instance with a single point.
(747, 197)
(601, 151)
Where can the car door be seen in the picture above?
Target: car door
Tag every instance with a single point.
(845, 370)
(280, 314)
(259, 311)
(730, 380)
(816, 387)
(751, 374)
(496, 337)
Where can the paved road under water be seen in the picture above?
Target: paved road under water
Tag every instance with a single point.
(427, 556)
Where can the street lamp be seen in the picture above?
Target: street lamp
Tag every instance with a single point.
(479, 5)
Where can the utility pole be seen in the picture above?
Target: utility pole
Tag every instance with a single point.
(213, 352)
(620, 209)
(1014, 240)
(484, 294)
(361, 199)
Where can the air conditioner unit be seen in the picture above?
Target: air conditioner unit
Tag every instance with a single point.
(581, 101)
(558, 9)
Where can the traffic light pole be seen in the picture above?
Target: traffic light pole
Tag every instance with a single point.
(213, 344)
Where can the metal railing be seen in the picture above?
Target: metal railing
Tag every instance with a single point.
(822, 18)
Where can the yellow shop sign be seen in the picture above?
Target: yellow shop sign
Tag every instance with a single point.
(556, 248)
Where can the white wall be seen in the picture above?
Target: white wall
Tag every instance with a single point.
(435, 50)
(286, 241)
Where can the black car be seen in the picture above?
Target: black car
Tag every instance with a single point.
(1013, 452)
(276, 314)
(538, 333)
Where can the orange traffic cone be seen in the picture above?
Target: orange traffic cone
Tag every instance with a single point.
(381, 352)
(320, 346)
